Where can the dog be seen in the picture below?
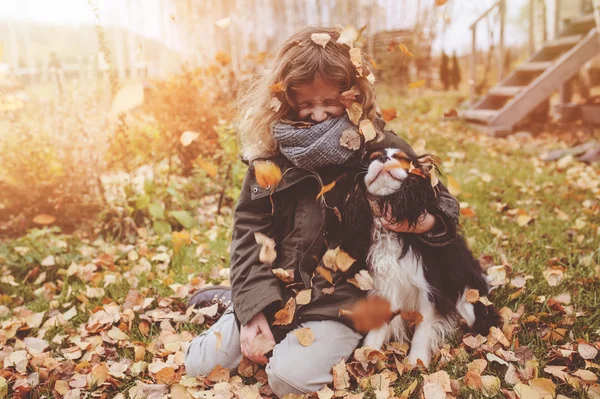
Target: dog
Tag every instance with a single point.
(412, 275)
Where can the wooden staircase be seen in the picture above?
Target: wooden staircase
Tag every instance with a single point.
(507, 104)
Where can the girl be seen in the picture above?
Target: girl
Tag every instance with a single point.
(295, 117)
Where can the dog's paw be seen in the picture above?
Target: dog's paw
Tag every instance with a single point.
(415, 355)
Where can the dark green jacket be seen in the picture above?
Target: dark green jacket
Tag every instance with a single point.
(300, 225)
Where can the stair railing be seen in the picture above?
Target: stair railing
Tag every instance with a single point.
(500, 5)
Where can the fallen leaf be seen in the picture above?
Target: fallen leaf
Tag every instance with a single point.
(405, 50)
(218, 374)
(267, 173)
(367, 129)
(188, 138)
(414, 318)
(587, 351)
(416, 85)
(490, 385)
(553, 276)
(408, 391)
(167, 376)
(326, 274)
(472, 295)
(350, 139)
(348, 36)
(348, 97)
(355, 112)
(284, 275)
(267, 250)
(356, 58)
(286, 315)
(303, 297)
(341, 379)
(277, 87)
(320, 38)
(275, 104)
(261, 344)
(433, 390)
(326, 188)
(44, 219)
(586, 375)
(305, 336)
(453, 186)
(544, 387)
(389, 114)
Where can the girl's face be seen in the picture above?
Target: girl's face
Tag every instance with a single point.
(317, 102)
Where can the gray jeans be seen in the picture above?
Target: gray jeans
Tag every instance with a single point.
(293, 368)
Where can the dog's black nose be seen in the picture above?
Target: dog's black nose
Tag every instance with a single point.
(383, 158)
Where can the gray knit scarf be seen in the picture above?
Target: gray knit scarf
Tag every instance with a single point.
(314, 146)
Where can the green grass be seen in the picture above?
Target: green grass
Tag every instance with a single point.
(496, 177)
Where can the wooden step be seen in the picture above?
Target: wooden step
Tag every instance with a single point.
(564, 41)
(506, 91)
(587, 19)
(481, 115)
(538, 66)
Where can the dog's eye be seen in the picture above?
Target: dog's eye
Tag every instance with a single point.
(376, 155)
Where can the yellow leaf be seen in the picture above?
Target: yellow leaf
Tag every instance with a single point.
(284, 275)
(286, 315)
(355, 111)
(208, 167)
(128, 97)
(180, 239)
(267, 173)
(303, 297)
(523, 220)
(453, 186)
(416, 85)
(344, 261)
(367, 129)
(44, 219)
(355, 57)
(325, 273)
(405, 50)
(472, 295)
(305, 336)
(326, 188)
(320, 38)
(267, 250)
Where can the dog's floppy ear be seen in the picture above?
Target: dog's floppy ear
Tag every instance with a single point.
(430, 161)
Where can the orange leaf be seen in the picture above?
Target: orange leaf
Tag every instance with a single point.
(208, 167)
(305, 336)
(277, 87)
(389, 114)
(286, 315)
(218, 374)
(267, 174)
(167, 376)
(44, 219)
(472, 296)
(440, 2)
(369, 314)
(326, 188)
(325, 273)
(412, 317)
(349, 96)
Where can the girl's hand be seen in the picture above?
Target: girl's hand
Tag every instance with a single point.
(425, 223)
(258, 325)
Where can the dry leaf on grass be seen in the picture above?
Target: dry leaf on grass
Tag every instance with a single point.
(286, 315)
(267, 250)
(305, 336)
(341, 379)
(587, 351)
(218, 374)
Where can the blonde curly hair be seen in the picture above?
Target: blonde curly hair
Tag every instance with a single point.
(299, 62)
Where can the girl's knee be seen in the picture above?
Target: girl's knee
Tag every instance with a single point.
(283, 380)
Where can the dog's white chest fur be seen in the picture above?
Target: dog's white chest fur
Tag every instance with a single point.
(401, 280)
